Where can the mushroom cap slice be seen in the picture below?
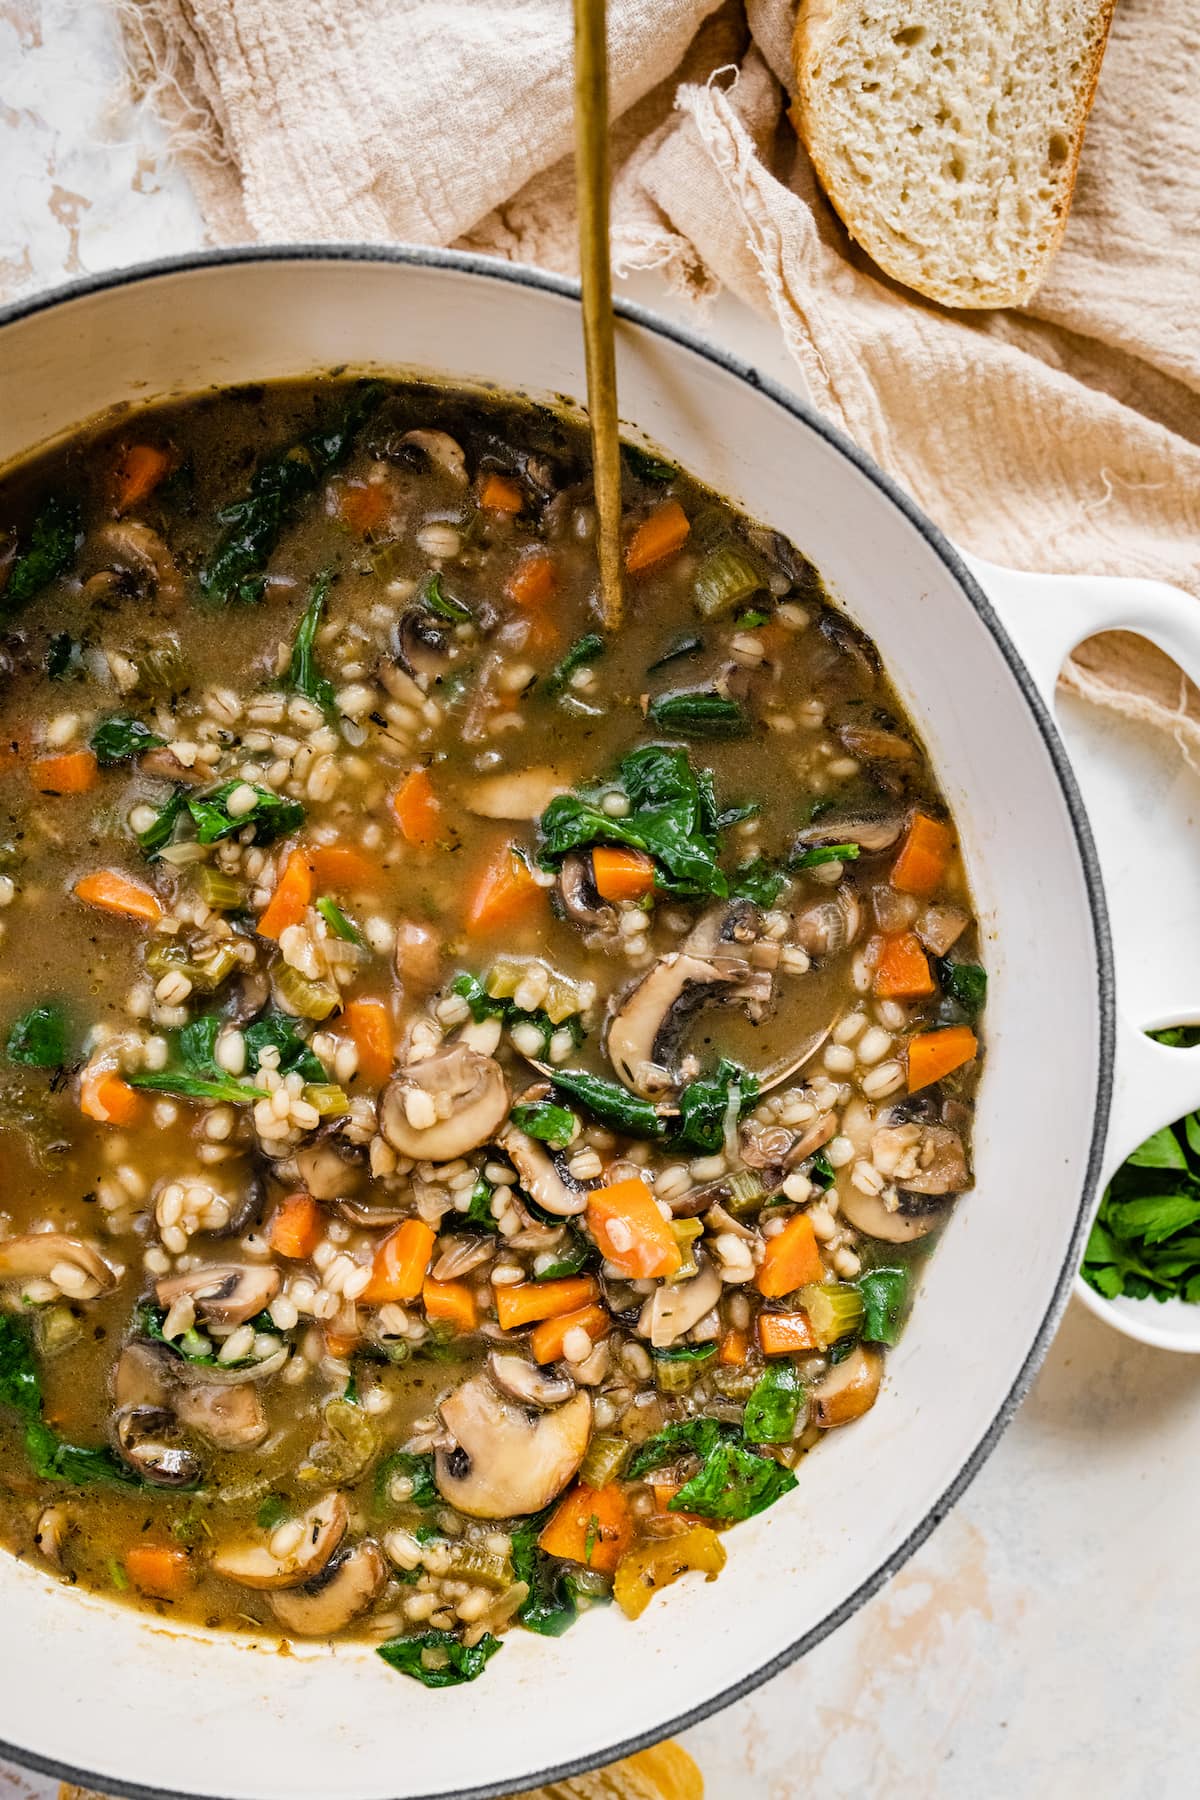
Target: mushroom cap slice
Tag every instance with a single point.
(470, 1097)
(129, 546)
(912, 1217)
(849, 1389)
(148, 1439)
(872, 832)
(544, 1176)
(331, 1168)
(643, 1031)
(224, 1293)
(507, 1461)
(231, 1417)
(253, 1564)
(525, 1382)
(675, 1307)
(580, 898)
(345, 1587)
(37, 1254)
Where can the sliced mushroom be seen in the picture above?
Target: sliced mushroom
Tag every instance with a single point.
(133, 549)
(773, 1078)
(230, 1417)
(37, 1254)
(848, 1390)
(254, 1563)
(372, 1218)
(445, 1106)
(872, 832)
(418, 956)
(506, 1461)
(912, 1217)
(580, 898)
(343, 1590)
(643, 1033)
(873, 744)
(164, 765)
(423, 644)
(461, 1255)
(825, 927)
(439, 448)
(526, 1382)
(331, 1168)
(50, 1533)
(921, 1159)
(142, 1376)
(149, 1440)
(940, 927)
(544, 1174)
(515, 794)
(726, 930)
(676, 1307)
(223, 1293)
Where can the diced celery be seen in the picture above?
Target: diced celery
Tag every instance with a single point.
(504, 978)
(330, 1101)
(834, 1308)
(471, 1562)
(725, 577)
(746, 1192)
(685, 1232)
(606, 1457)
(310, 999)
(224, 893)
(57, 1329)
(562, 999)
(216, 967)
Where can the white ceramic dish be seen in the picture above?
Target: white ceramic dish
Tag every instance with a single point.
(114, 1699)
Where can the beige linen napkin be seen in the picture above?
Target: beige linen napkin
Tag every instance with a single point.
(1064, 436)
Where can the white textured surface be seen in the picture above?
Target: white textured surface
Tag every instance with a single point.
(1043, 1642)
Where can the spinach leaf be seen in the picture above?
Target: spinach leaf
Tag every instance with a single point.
(884, 1292)
(963, 982)
(277, 1031)
(646, 465)
(417, 1469)
(479, 1213)
(700, 1437)
(48, 551)
(157, 836)
(707, 1104)
(773, 1405)
(63, 656)
(434, 598)
(39, 1037)
(338, 923)
(303, 675)
(251, 526)
(825, 853)
(120, 738)
(576, 1253)
(583, 651)
(542, 1119)
(550, 1608)
(272, 816)
(821, 1171)
(611, 1104)
(437, 1659)
(733, 1484)
(687, 645)
(699, 713)
(50, 1457)
(197, 1087)
(759, 881)
(197, 1043)
(272, 1512)
(672, 817)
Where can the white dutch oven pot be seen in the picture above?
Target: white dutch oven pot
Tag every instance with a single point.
(123, 1701)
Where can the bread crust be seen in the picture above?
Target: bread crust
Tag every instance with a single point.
(815, 19)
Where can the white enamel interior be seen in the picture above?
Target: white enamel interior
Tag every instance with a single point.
(104, 1689)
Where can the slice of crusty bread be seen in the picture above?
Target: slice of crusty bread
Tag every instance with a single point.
(947, 132)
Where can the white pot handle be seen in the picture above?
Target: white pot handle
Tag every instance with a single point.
(1046, 616)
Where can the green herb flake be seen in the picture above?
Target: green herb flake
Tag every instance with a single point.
(338, 923)
(272, 1512)
(434, 598)
(39, 1037)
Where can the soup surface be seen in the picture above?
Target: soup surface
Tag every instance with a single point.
(474, 1090)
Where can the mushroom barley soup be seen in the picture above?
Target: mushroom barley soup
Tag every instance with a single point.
(475, 1091)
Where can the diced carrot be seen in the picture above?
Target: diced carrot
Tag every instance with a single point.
(504, 894)
(417, 809)
(401, 1263)
(500, 493)
(792, 1258)
(341, 866)
(113, 892)
(546, 1340)
(452, 1301)
(533, 581)
(621, 874)
(937, 1053)
(295, 1230)
(781, 1334)
(363, 506)
(530, 1301)
(733, 1347)
(631, 1232)
(138, 473)
(902, 971)
(657, 537)
(369, 1023)
(924, 856)
(161, 1569)
(590, 1525)
(291, 899)
(341, 1344)
(105, 1097)
(74, 772)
